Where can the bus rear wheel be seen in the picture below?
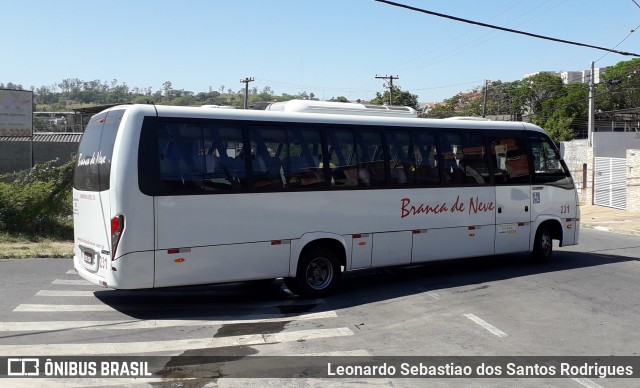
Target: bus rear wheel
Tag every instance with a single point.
(317, 275)
(543, 244)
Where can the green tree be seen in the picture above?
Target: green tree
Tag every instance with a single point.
(399, 98)
(167, 88)
(535, 95)
(441, 111)
(339, 99)
(575, 101)
(498, 101)
(558, 127)
(620, 86)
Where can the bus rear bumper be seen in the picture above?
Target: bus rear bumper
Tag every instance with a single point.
(91, 277)
(131, 271)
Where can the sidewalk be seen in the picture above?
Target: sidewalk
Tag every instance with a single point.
(606, 218)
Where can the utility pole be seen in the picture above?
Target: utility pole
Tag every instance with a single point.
(592, 109)
(390, 78)
(484, 103)
(246, 90)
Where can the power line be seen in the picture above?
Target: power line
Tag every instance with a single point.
(479, 38)
(627, 37)
(505, 29)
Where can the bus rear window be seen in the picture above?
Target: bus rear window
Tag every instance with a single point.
(93, 165)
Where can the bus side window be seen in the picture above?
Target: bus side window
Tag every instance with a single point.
(356, 158)
(224, 158)
(370, 157)
(509, 159)
(181, 160)
(401, 158)
(475, 165)
(425, 152)
(302, 165)
(547, 166)
(465, 158)
(452, 153)
(342, 158)
(268, 149)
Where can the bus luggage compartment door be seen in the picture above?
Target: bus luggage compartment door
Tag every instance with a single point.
(361, 250)
(391, 248)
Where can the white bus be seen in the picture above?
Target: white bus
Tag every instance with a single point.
(172, 196)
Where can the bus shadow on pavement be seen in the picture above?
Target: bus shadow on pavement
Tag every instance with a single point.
(388, 283)
(268, 299)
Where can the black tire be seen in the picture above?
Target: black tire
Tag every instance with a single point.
(543, 244)
(317, 275)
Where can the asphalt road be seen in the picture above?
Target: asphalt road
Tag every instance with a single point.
(584, 302)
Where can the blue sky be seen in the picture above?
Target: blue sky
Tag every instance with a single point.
(328, 47)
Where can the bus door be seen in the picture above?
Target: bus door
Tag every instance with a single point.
(513, 198)
(552, 190)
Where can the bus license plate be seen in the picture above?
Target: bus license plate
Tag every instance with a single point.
(88, 258)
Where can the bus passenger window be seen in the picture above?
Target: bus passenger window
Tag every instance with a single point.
(370, 156)
(181, 160)
(224, 158)
(268, 151)
(425, 153)
(401, 158)
(342, 158)
(475, 166)
(451, 146)
(464, 158)
(303, 166)
(510, 161)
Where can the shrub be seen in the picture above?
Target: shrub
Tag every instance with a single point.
(37, 202)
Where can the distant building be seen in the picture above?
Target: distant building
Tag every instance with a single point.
(19, 152)
(573, 77)
(556, 73)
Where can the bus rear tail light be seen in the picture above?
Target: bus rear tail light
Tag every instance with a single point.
(117, 226)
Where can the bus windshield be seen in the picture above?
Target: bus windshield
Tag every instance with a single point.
(93, 167)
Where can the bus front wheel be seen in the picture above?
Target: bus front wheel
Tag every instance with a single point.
(543, 244)
(317, 275)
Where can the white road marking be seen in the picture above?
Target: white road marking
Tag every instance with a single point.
(63, 293)
(587, 383)
(74, 282)
(151, 324)
(72, 272)
(494, 330)
(170, 347)
(349, 353)
(151, 307)
(433, 295)
(40, 308)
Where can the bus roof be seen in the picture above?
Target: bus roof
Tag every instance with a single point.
(345, 108)
(319, 118)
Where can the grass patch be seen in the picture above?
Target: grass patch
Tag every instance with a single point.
(22, 247)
